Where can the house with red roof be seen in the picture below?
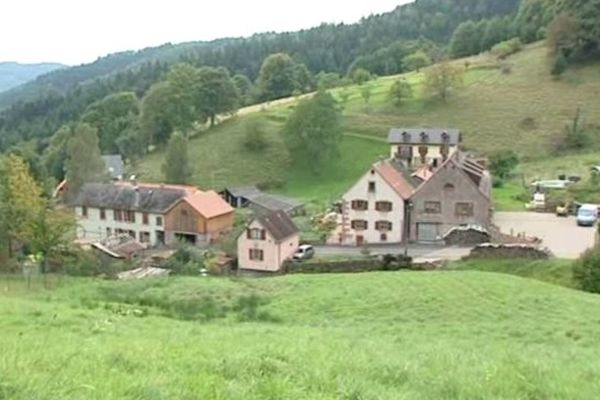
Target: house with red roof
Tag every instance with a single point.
(417, 195)
(153, 214)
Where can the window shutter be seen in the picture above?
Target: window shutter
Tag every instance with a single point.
(248, 234)
(263, 234)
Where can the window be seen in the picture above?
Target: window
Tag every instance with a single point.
(131, 234)
(159, 221)
(448, 187)
(118, 215)
(433, 207)
(84, 212)
(256, 234)
(145, 219)
(128, 216)
(384, 226)
(257, 255)
(371, 187)
(360, 205)
(383, 237)
(108, 232)
(102, 214)
(359, 225)
(144, 237)
(119, 232)
(383, 206)
(184, 213)
(464, 209)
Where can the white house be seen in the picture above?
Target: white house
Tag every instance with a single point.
(423, 146)
(373, 209)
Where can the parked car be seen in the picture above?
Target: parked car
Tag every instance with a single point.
(304, 252)
(587, 215)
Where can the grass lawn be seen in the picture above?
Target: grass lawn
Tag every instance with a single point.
(441, 335)
(555, 271)
(509, 197)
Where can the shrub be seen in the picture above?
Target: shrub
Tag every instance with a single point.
(502, 164)
(400, 91)
(586, 271)
(360, 76)
(507, 48)
(255, 139)
(187, 260)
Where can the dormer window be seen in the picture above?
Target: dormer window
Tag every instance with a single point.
(445, 137)
(424, 137)
(371, 187)
(405, 137)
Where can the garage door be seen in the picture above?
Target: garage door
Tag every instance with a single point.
(427, 232)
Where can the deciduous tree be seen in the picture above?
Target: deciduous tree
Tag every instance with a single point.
(440, 79)
(313, 132)
(84, 163)
(416, 61)
(400, 91)
(177, 168)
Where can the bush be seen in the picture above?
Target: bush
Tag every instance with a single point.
(502, 164)
(360, 76)
(586, 271)
(187, 260)
(400, 92)
(507, 48)
(255, 139)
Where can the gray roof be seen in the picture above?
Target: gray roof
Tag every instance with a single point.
(124, 197)
(114, 165)
(244, 191)
(278, 224)
(424, 135)
(274, 203)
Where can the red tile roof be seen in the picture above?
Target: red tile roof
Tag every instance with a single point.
(395, 179)
(208, 204)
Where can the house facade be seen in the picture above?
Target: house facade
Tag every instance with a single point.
(423, 146)
(373, 209)
(415, 198)
(151, 214)
(450, 198)
(268, 241)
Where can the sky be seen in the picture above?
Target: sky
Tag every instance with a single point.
(79, 31)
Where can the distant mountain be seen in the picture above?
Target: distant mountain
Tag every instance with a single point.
(14, 74)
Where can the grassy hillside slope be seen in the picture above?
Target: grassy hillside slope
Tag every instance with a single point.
(451, 335)
(524, 110)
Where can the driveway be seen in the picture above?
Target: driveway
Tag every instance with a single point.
(414, 250)
(561, 235)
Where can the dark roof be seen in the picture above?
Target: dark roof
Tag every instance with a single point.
(124, 197)
(424, 135)
(114, 165)
(278, 224)
(274, 203)
(244, 191)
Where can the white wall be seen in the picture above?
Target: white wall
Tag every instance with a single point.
(274, 253)
(434, 151)
(95, 228)
(383, 192)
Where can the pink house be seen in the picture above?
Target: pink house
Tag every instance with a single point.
(268, 241)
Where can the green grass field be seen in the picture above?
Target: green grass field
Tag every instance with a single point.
(441, 335)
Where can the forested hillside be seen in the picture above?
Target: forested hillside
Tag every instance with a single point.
(378, 43)
(13, 74)
(135, 101)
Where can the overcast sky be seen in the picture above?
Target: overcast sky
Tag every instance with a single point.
(79, 31)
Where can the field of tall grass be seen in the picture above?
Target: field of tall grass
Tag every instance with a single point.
(410, 335)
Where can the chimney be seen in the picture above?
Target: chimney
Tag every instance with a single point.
(136, 194)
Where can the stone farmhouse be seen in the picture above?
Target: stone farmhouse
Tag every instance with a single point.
(426, 188)
(153, 214)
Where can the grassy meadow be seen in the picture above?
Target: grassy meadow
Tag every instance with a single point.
(441, 335)
(524, 110)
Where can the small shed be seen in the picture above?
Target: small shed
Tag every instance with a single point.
(259, 201)
(240, 196)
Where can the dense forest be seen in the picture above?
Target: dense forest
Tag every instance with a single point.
(137, 99)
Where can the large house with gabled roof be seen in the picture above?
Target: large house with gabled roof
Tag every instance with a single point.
(153, 214)
(416, 197)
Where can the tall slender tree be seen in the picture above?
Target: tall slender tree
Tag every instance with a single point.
(84, 163)
(177, 168)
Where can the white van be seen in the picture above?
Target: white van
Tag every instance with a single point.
(587, 215)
